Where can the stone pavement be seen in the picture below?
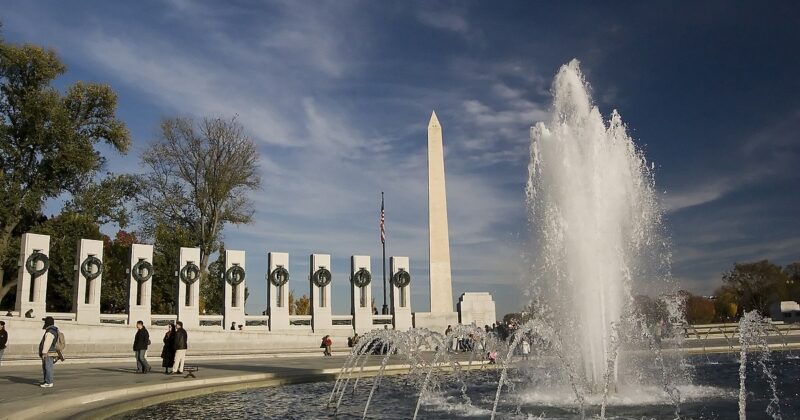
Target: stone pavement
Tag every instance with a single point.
(82, 388)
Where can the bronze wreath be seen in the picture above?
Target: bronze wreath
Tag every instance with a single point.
(235, 275)
(190, 273)
(321, 277)
(361, 278)
(279, 276)
(32, 262)
(87, 265)
(142, 265)
(401, 278)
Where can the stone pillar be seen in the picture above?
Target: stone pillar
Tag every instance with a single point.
(32, 290)
(476, 307)
(361, 297)
(401, 296)
(188, 303)
(234, 289)
(321, 319)
(139, 291)
(278, 296)
(88, 279)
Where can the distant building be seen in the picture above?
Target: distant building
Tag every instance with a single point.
(786, 311)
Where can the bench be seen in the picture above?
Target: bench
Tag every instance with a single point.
(190, 369)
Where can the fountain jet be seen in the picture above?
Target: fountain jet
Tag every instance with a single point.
(594, 212)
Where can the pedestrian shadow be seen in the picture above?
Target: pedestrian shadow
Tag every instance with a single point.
(21, 380)
(116, 370)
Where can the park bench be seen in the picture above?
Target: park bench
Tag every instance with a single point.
(190, 370)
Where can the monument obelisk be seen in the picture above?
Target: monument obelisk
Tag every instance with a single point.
(438, 231)
(441, 314)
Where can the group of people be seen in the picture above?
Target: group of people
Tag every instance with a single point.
(173, 353)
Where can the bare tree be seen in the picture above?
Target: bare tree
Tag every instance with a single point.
(200, 176)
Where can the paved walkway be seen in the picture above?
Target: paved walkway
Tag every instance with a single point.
(82, 388)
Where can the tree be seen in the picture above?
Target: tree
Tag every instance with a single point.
(198, 180)
(757, 285)
(116, 260)
(166, 255)
(301, 306)
(699, 310)
(211, 287)
(725, 304)
(792, 272)
(66, 231)
(48, 139)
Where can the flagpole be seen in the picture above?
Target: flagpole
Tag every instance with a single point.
(385, 309)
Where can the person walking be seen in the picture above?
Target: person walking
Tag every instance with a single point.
(326, 345)
(140, 343)
(526, 348)
(3, 340)
(46, 347)
(181, 345)
(168, 351)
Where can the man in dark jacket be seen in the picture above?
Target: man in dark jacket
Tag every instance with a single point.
(3, 340)
(47, 347)
(181, 344)
(140, 343)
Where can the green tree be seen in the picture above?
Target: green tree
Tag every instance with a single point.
(116, 261)
(199, 176)
(211, 287)
(166, 255)
(757, 285)
(726, 303)
(48, 140)
(66, 231)
(792, 272)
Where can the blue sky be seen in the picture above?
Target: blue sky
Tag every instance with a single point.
(338, 95)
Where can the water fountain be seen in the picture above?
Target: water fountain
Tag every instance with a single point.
(598, 240)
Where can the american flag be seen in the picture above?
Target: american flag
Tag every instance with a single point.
(383, 220)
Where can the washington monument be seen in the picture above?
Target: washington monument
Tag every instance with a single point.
(438, 232)
(441, 314)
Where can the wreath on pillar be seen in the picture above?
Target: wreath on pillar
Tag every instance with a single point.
(91, 267)
(190, 273)
(322, 277)
(401, 278)
(279, 276)
(142, 271)
(33, 261)
(235, 275)
(361, 278)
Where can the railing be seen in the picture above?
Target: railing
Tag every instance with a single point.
(300, 320)
(382, 319)
(61, 316)
(114, 318)
(162, 320)
(211, 320)
(260, 322)
(339, 320)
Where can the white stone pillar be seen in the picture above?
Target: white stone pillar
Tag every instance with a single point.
(32, 291)
(88, 279)
(476, 307)
(188, 303)
(321, 318)
(278, 296)
(234, 289)
(139, 306)
(401, 296)
(361, 297)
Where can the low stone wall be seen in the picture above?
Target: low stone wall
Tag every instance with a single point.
(114, 340)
